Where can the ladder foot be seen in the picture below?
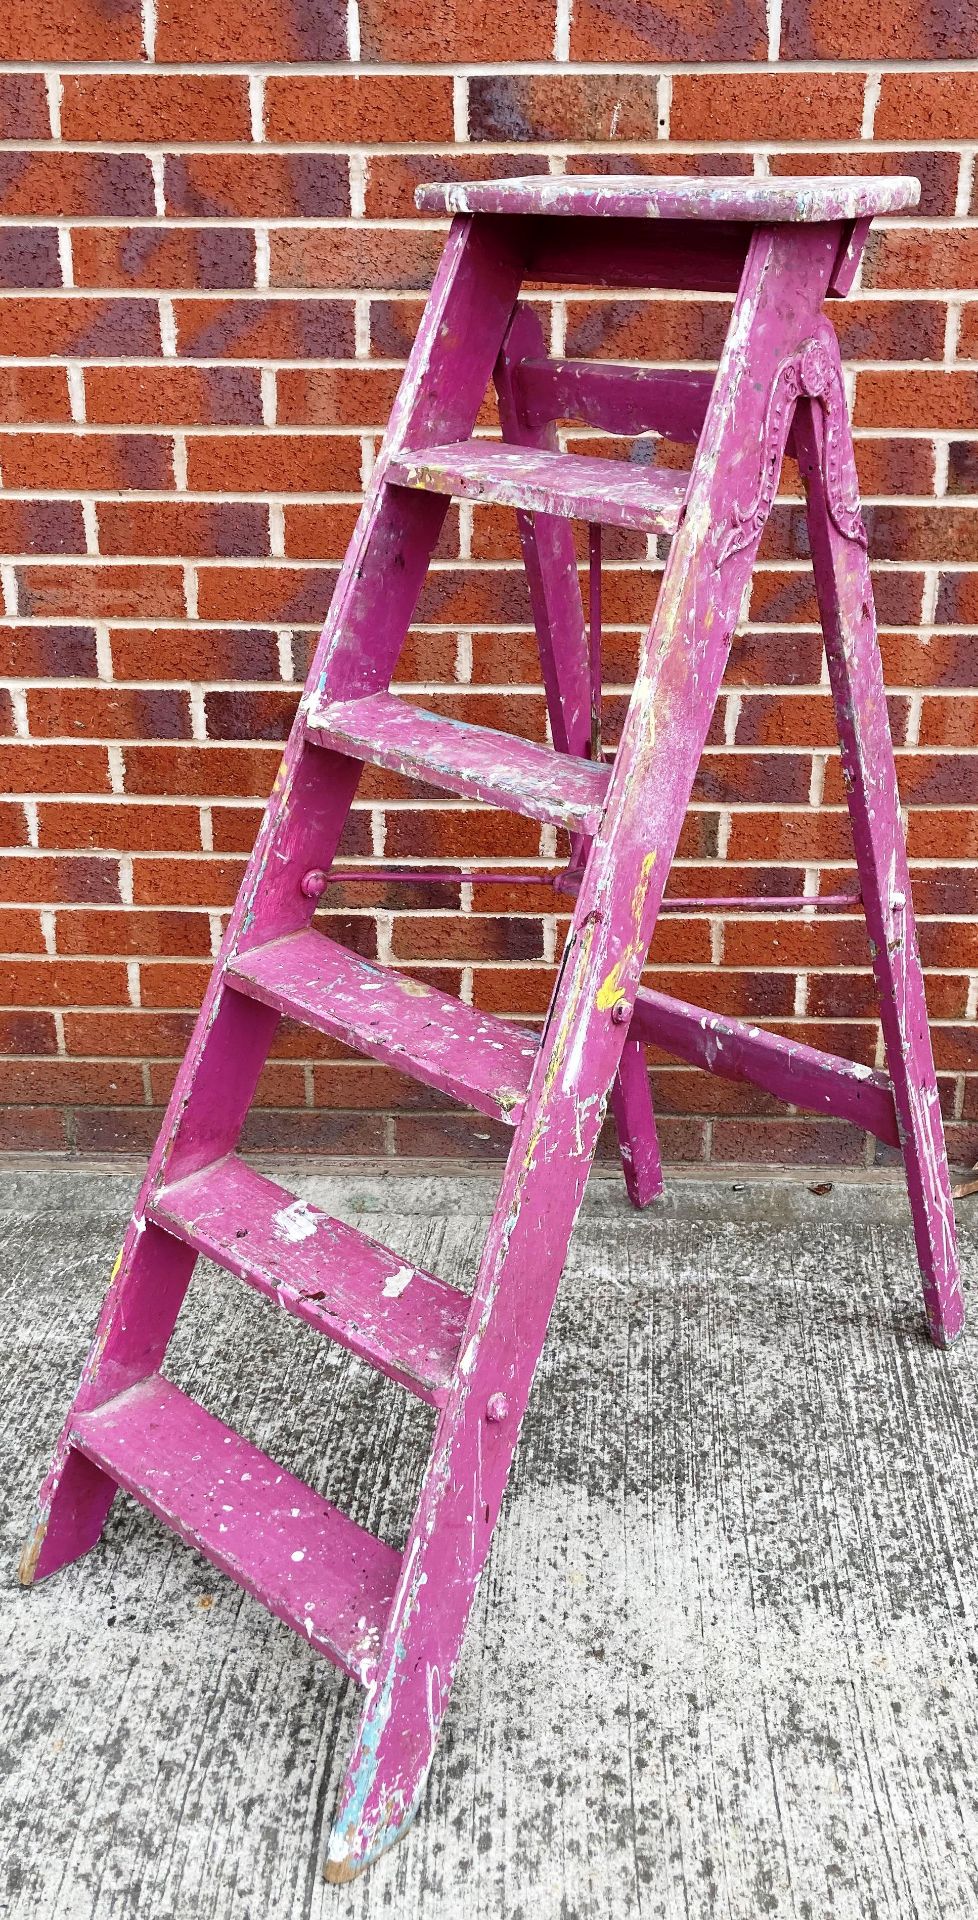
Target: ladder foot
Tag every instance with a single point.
(348, 1857)
(945, 1320)
(73, 1522)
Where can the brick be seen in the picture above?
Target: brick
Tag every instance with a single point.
(46, 769)
(957, 599)
(116, 592)
(927, 106)
(936, 171)
(208, 882)
(265, 329)
(635, 329)
(358, 108)
(44, 878)
(146, 257)
(282, 595)
(78, 327)
(201, 771)
(557, 106)
(932, 660)
(868, 30)
(814, 1143)
(20, 932)
(196, 653)
(910, 257)
(890, 329)
(353, 257)
(962, 471)
(41, 526)
(63, 983)
(155, 106)
(257, 186)
(788, 833)
(717, 106)
(921, 533)
(173, 396)
(241, 715)
(33, 394)
(941, 400)
(23, 107)
(320, 533)
(118, 825)
(119, 1130)
(452, 30)
(619, 30)
(259, 30)
(32, 653)
(33, 1130)
(13, 823)
(67, 185)
(393, 178)
(336, 396)
(29, 257)
(72, 30)
(86, 462)
(109, 713)
(275, 462)
(217, 530)
(943, 833)
(27, 1032)
(174, 984)
(949, 723)
(894, 466)
(66, 1082)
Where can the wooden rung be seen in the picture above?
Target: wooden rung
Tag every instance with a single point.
(476, 1057)
(405, 1322)
(557, 789)
(573, 486)
(304, 1560)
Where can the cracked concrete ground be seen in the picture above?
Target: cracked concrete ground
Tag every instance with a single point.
(723, 1658)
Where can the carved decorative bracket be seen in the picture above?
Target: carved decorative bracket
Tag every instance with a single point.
(811, 373)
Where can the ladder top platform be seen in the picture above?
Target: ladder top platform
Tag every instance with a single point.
(728, 197)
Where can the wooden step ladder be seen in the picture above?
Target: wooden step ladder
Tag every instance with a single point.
(396, 1620)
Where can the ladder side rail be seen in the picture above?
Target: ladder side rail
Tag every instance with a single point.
(789, 1069)
(549, 555)
(679, 675)
(550, 561)
(845, 597)
(472, 297)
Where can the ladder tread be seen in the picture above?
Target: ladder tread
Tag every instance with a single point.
(557, 789)
(615, 493)
(400, 1319)
(307, 1562)
(475, 1057)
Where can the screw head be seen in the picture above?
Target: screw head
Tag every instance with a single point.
(621, 1013)
(498, 1408)
(314, 883)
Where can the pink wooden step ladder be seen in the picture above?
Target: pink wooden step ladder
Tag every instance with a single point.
(396, 1620)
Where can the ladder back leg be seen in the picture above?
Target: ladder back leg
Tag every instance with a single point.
(680, 669)
(845, 598)
(550, 562)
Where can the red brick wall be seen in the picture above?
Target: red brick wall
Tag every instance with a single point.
(212, 271)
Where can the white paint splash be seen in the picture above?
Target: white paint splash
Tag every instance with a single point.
(395, 1283)
(294, 1223)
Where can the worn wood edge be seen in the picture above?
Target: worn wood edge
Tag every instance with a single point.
(340, 1872)
(27, 1564)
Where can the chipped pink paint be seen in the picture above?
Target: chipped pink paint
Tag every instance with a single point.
(397, 1621)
